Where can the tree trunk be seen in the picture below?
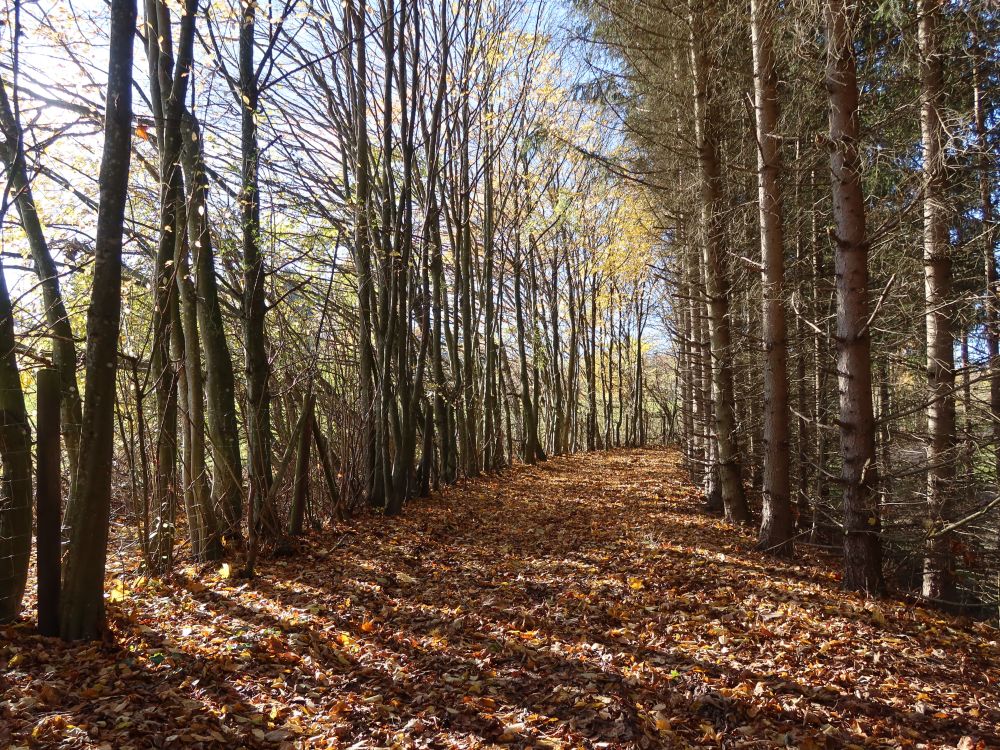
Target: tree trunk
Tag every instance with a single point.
(220, 386)
(992, 296)
(254, 306)
(48, 480)
(301, 485)
(323, 449)
(15, 457)
(205, 519)
(82, 606)
(362, 257)
(160, 63)
(862, 524)
(532, 448)
(777, 523)
(939, 573)
(63, 347)
(717, 285)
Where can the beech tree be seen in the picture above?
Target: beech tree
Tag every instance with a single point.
(82, 606)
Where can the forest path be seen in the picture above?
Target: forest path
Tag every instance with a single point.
(585, 602)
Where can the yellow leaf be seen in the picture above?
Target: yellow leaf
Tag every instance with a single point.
(635, 584)
(224, 571)
(117, 593)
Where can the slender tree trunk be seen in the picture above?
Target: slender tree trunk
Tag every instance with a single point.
(492, 447)
(558, 415)
(194, 407)
(254, 307)
(685, 371)
(82, 606)
(862, 524)
(710, 474)
(323, 449)
(160, 62)
(443, 412)
(532, 449)
(717, 285)
(470, 459)
(573, 374)
(885, 426)
(992, 296)
(300, 487)
(48, 477)
(821, 310)
(186, 484)
(63, 347)
(777, 523)
(362, 255)
(536, 338)
(939, 573)
(220, 384)
(593, 437)
(165, 386)
(638, 415)
(15, 458)
(804, 437)
(968, 439)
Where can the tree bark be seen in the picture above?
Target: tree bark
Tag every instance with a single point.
(777, 523)
(258, 369)
(82, 605)
(301, 486)
(939, 573)
(717, 284)
(532, 448)
(15, 458)
(992, 273)
(862, 522)
(220, 386)
(48, 480)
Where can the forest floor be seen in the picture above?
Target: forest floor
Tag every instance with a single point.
(584, 603)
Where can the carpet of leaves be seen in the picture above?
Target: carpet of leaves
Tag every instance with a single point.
(584, 603)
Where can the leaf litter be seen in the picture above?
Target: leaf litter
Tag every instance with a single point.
(583, 603)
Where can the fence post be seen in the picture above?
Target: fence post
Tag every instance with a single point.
(48, 499)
